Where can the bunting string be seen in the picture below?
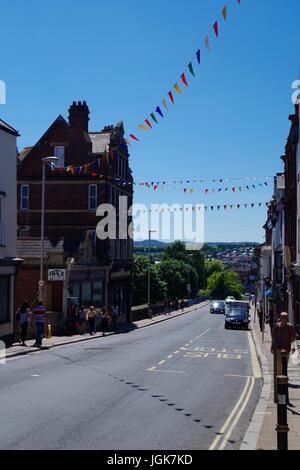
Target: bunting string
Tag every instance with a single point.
(225, 207)
(182, 81)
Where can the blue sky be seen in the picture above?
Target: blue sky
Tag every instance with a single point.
(123, 57)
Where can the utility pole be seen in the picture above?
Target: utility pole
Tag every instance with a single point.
(149, 273)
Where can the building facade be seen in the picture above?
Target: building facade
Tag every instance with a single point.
(9, 261)
(92, 169)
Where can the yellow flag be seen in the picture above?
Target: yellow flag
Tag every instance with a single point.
(176, 86)
(142, 126)
(224, 12)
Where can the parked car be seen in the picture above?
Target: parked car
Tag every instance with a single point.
(237, 318)
(229, 299)
(218, 306)
(238, 304)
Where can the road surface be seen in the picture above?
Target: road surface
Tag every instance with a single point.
(186, 383)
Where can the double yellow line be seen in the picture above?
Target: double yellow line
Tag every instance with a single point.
(232, 420)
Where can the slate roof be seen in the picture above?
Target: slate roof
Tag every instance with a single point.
(31, 247)
(100, 141)
(7, 128)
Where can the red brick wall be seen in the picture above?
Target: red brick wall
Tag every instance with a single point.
(27, 285)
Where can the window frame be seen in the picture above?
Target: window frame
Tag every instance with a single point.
(22, 197)
(58, 163)
(90, 197)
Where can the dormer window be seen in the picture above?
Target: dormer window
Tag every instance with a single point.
(59, 153)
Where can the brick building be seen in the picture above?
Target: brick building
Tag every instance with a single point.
(92, 168)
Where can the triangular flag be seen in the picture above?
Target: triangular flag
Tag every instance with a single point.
(198, 54)
(206, 42)
(183, 79)
(239, 2)
(154, 118)
(252, 205)
(134, 137)
(190, 66)
(224, 12)
(218, 207)
(238, 206)
(148, 123)
(216, 29)
(191, 190)
(225, 207)
(233, 190)
(165, 104)
(176, 86)
(158, 110)
(142, 126)
(171, 96)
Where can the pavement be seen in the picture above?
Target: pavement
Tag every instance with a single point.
(17, 350)
(176, 385)
(261, 433)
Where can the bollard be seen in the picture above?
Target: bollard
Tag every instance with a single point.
(282, 428)
(284, 360)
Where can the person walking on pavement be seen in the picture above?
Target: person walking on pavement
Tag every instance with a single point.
(91, 314)
(39, 315)
(23, 319)
(114, 317)
(104, 320)
(283, 336)
(82, 317)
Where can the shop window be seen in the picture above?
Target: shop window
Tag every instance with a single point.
(4, 299)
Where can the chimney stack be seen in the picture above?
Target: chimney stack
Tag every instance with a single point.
(79, 116)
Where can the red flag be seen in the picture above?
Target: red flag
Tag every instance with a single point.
(239, 2)
(225, 207)
(134, 137)
(233, 189)
(171, 96)
(184, 79)
(149, 123)
(206, 191)
(216, 29)
(238, 206)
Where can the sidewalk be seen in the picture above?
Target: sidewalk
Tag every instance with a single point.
(267, 439)
(17, 350)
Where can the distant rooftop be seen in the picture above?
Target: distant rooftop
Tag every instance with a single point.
(7, 128)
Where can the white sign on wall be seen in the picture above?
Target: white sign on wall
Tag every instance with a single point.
(56, 274)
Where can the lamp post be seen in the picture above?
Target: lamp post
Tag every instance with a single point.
(45, 161)
(149, 272)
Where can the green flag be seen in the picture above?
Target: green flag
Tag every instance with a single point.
(154, 118)
(191, 68)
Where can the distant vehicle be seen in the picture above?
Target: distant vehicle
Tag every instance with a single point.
(218, 306)
(237, 318)
(238, 304)
(229, 299)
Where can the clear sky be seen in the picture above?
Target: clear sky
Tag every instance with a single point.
(122, 57)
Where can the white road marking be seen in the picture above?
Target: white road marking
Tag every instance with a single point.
(230, 417)
(170, 357)
(168, 371)
(175, 352)
(255, 364)
(34, 375)
(234, 423)
(151, 369)
(162, 362)
(240, 376)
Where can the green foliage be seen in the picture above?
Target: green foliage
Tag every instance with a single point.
(175, 275)
(222, 284)
(214, 266)
(140, 282)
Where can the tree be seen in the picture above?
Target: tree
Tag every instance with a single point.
(140, 281)
(175, 251)
(214, 266)
(175, 275)
(222, 284)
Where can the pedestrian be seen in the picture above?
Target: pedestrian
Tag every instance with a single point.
(23, 319)
(182, 305)
(91, 314)
(114, 317)
(39, 314)
(283, 336)
(104, 321)
(271, 320)
(82, 318)
(259, 312)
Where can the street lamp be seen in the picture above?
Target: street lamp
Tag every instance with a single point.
(149, 271)
(45, 161)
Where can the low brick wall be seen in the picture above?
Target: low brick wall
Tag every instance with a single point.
(140, 312)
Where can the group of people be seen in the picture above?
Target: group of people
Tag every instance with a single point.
(38, 316)
(82, 320)
(171, 305)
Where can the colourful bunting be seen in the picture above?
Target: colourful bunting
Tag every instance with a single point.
(148, 123)
(154, 118)
(216, 29)
(165, 105)
(171, 96)
(134, 137)
(206, 42)
(224, 12)
(198, 54)
(190, 66)
(158, 110)
(177, 88)
(142, 126)
(183, 79)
